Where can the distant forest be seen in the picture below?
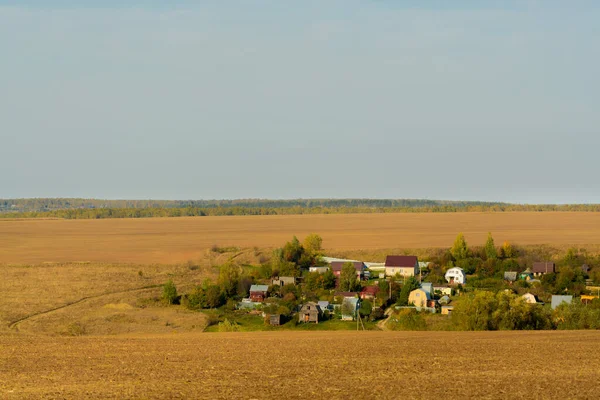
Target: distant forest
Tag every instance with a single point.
(69, 208)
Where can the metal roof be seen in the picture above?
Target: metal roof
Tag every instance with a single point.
(259, 288)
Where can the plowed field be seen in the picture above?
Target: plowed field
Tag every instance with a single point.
(173, 240)
(295, 365)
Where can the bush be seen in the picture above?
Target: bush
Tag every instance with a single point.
(170, 293)
(408, 320)
(228, 326)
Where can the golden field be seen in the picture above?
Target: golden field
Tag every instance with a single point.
(176, 240)
(300, 365)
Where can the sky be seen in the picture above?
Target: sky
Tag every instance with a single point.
(300, 99)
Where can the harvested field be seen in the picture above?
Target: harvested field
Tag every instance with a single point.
(174, 240)
(323, 365)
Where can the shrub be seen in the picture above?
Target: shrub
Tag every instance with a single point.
(170, 293)
(408, 320)
(228, 326)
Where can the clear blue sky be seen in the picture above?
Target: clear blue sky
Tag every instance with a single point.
(288, 99)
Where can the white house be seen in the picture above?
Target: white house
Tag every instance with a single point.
(456, 276)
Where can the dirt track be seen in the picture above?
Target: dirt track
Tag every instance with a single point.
(174, 240)
(299, 365)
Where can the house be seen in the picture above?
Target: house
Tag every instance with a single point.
(558, 300)
(510, 276)
(443, 289)
(402, 265)
(275, 319)
(320, 270)
(428, 287)
(284, 280)
(369, 292)
(455, 276)
(258, 293)
(324, 305)
(419, 298)
(359, 266)
(526, 275)
(447, 310)
(541, 268)
(309, 312)
(531, 299)
(350, 306)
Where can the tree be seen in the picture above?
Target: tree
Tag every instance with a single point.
(312, 243)
(507, 251)
(348, 279)
(293, 251)
(411, 284)
(328, 280)
(490, 249)
(366, 307)
(229, 276)
(170, 292)
(459, 250)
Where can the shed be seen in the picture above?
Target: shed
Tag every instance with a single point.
(320, 270)
(275, 319)
(323, 305)
(419, 298)
(284, 280)
(510, 276)
(443, 289)
(428, 287)
(309, 312)
(558, 300)
(531, 298)
(526, 275)
(447, 310)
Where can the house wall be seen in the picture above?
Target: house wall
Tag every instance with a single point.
(404, 271)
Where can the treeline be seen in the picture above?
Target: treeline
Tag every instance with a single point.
(97, 209)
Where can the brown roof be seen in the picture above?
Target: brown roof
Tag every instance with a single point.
(542, 267)
(345, 294)
(337, 265)
(370, 290)
(401, 261)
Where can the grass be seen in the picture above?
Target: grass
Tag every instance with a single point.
(177, 240)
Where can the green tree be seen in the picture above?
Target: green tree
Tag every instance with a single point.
(328, 280)
(507, 251)
(170, 292)
(411, 284)
(366, 307)
(293, 251)
(459, 250)
(229, 276)
(312, 243)
(348, 279)
(490, 249)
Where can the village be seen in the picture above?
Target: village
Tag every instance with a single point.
(428, 297)
(300, 286)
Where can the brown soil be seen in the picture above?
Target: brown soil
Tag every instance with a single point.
(300, 365)
(176, 240)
